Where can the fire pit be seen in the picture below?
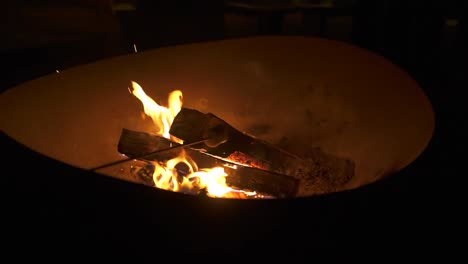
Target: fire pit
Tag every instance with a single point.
(266, 117)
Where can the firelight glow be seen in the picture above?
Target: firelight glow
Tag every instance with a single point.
(162, 116)
(166, 174)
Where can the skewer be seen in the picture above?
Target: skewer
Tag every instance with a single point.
(147, 155)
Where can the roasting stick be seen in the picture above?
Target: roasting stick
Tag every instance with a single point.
(148, 155)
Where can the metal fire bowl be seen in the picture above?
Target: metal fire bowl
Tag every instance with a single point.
(310, 92)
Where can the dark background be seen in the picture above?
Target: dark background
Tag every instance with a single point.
(85, 212)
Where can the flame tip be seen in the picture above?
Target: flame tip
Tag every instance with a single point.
(166, 175)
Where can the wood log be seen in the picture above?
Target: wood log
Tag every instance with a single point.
(190, 125)
(135, 144)
(318, 172)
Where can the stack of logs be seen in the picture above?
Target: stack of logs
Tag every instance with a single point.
(250, 163)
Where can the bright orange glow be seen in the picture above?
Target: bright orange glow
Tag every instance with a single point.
(166, 174)
(213, 181)
(162, 116)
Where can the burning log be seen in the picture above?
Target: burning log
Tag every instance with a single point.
(213, 142)
(136, 144)
(225, 140)
(319, 172)
(190, 125)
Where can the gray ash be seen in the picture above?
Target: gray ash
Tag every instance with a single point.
(323, 173)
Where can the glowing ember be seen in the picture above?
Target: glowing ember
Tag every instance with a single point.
(166, 174)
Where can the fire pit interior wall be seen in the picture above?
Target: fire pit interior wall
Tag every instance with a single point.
(303, 95)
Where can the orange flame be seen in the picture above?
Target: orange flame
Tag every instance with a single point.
(213, 180)
(166, 175)
(162, 116)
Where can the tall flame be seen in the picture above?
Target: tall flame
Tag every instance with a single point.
(166, 174)
(162, 116)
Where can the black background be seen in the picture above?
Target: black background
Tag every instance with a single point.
(85, 213)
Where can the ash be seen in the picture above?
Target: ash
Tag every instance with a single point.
(322, 173)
